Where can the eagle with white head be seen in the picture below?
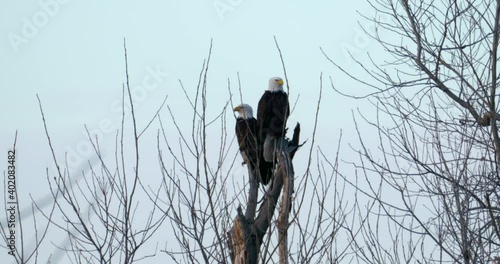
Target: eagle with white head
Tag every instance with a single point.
(272, 113)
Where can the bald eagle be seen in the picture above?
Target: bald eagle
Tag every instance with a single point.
(272, 113)
(247, 133)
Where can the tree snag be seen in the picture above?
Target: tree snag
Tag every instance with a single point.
(246, 236)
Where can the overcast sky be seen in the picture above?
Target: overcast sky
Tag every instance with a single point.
(71, 54)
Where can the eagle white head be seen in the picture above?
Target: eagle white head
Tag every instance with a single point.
(275, 84)
(245, 111)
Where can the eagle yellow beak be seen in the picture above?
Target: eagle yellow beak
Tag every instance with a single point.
(237, 108)
(280, 82)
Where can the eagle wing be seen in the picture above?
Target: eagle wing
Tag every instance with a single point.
(263, 117)
(272, 113)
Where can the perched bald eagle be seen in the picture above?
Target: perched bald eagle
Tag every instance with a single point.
(247, 133)
(272, 113)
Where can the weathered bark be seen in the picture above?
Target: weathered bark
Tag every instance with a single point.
(288, 177)
(241, 241)
(253, 192)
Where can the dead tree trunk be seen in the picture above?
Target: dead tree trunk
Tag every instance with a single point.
(246, 236)
(286, 206)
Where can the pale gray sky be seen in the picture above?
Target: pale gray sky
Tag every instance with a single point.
(71, 53)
